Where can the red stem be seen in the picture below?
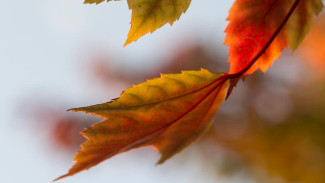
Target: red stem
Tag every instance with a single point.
(276, 33)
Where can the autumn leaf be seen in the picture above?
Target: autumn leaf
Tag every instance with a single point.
(169, 113)
(94, 1)
(150, 15)
(252, 24)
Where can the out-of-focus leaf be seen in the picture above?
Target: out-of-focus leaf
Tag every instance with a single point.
(290, 149)
(168, 112)
(293, 150)
(312, 48)
(252, 23)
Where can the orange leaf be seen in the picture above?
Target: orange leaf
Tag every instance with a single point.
(168, 112)
(252, 24)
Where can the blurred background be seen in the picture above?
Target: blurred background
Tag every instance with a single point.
(62, 54)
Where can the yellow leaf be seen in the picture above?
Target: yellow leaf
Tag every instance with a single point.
(150, 15)
(168, 112)
(94, 1)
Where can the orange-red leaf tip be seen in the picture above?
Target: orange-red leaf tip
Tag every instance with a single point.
(61, 177)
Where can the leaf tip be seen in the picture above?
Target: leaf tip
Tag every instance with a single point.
(61, 177)
(129, 39)
(73, 110)
(161, 161)
(233, 84)
(126, 43)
